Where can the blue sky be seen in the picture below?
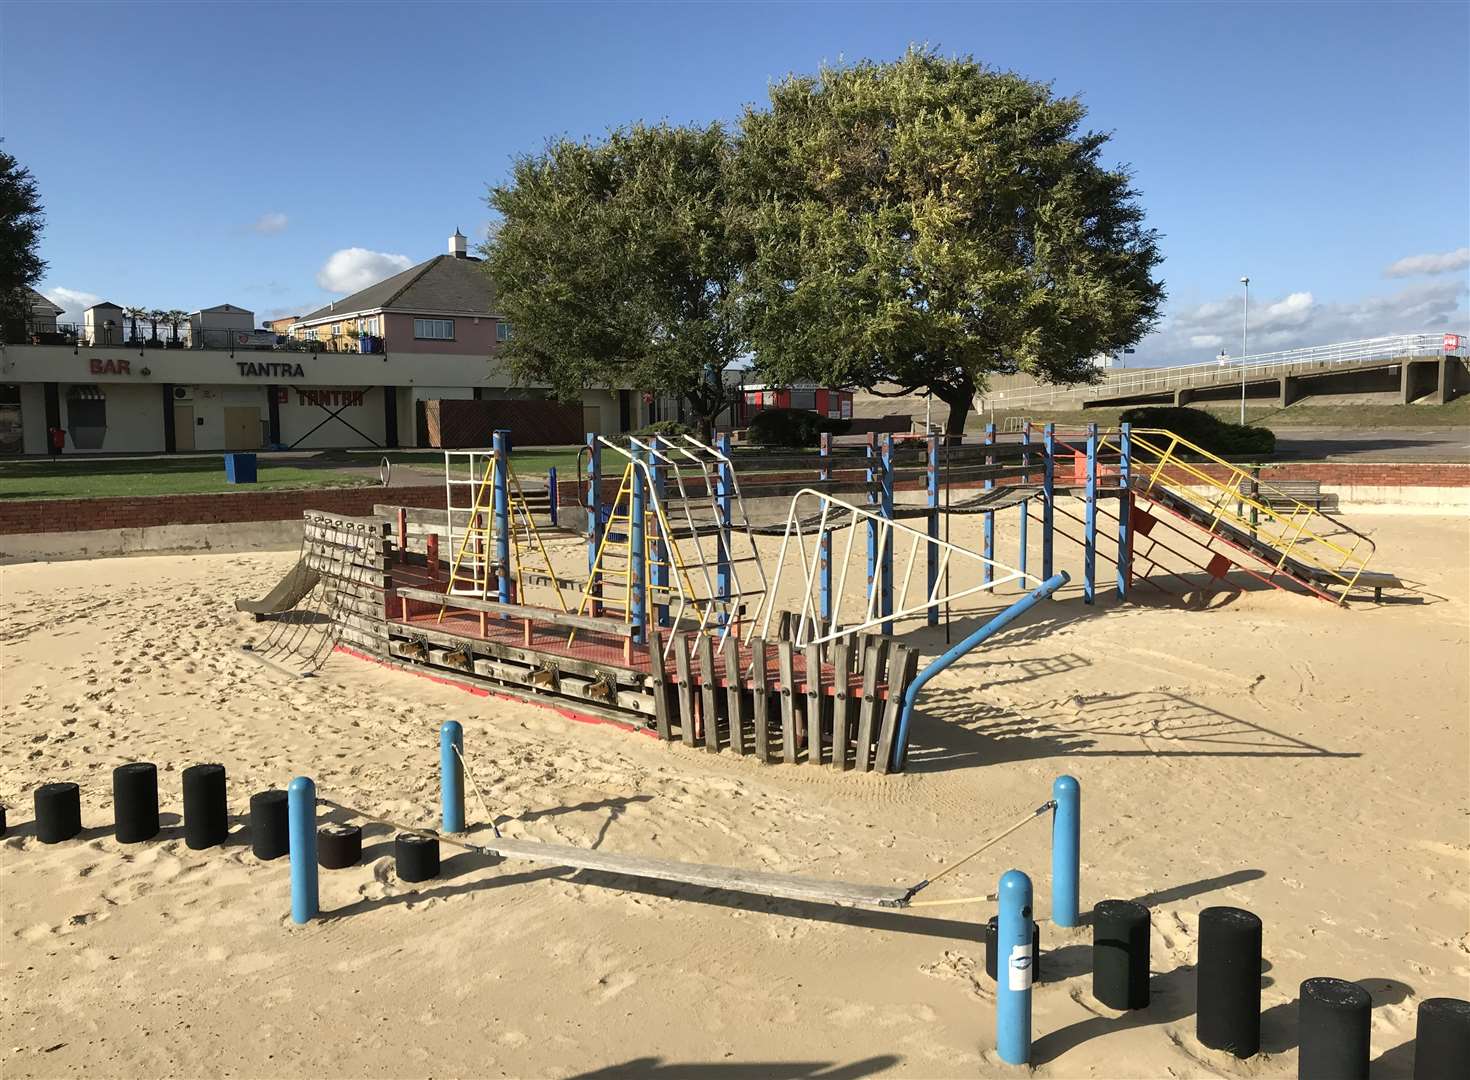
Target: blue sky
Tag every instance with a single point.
(190, 155)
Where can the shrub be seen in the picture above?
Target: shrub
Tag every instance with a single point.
(1204, 429)
(666, 428)
(793, 427)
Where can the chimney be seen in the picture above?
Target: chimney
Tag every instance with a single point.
(457, 244)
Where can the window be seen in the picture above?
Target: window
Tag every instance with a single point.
(803, 399)
(434, 329)
(502, 331)
(336, 329)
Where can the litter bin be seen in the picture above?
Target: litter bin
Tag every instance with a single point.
(240, 468)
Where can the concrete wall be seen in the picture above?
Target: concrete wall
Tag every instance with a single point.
(472, 336)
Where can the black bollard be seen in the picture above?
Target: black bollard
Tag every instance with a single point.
(1228, 981)
(135, 802)
(1442, 1041)
(1120, 948)
(2, 819)
(270, 834)
(416, 855)
(992, 933)
(206, 810)
(338, 846)
(1332, 1025)
(58, 812)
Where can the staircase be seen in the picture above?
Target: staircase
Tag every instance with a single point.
(1261, 530)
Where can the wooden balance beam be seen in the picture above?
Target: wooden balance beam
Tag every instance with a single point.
(758, 882)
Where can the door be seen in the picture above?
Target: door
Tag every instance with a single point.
(592, 418)
(242, 427)
(183, 427)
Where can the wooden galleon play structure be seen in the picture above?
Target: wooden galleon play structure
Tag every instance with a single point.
(663, 612)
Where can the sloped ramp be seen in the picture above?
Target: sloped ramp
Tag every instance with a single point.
(290, 591)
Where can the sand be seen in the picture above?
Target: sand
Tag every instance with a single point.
(1308, 763)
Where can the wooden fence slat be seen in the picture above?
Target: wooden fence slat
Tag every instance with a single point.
(658, 676)
(902, 668)
(686, 689)
(841, 673)
(814, 704)
(734, 698)
(788, 701)
(873, 656)
(709, 683)
(760, 699)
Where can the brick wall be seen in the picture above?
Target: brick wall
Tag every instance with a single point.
(78, 515)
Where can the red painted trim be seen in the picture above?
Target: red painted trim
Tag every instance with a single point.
(480, 691)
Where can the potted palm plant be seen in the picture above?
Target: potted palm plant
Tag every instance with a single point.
(135, 314)
(155, 316)
(175, 318)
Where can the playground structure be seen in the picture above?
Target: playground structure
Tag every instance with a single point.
(678, 629)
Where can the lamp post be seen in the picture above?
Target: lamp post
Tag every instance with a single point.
(1244, 346)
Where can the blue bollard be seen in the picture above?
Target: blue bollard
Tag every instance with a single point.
(1066, 850)
(451, 776)
(301, 816)
(1014, 969)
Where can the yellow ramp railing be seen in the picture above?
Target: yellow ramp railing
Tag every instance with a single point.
(1279, 530)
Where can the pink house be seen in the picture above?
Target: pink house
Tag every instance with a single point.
(443, 305)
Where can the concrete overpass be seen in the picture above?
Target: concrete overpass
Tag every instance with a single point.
(1428, 368)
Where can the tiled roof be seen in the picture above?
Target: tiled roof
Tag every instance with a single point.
(442, 284)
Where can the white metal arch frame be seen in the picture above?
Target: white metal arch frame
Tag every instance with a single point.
(904, 542)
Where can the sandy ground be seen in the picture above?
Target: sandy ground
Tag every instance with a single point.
(1309, 763)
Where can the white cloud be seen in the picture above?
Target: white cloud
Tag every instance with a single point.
(1298, 319)
(270, 223)
(356, 268)
(74, 301)
(1442, 263)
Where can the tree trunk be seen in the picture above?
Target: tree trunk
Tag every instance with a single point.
(960, 400)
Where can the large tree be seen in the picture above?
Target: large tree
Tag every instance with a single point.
(615, 263)
(21, 218)
(929, 222)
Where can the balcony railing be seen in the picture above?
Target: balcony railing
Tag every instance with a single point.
(78, 335)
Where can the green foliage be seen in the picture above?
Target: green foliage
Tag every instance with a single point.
(792, 427)
(1204, 429)
(667, 428)
(616, 262)
(21, 219)
(928, 222)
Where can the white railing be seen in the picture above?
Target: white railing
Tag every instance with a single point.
(1257, 365)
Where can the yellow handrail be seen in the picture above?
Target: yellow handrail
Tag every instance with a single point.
(1287, 533)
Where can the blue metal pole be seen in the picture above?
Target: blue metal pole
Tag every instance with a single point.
(1089, 536)
(875, 500)
(301, 830)
(501, 447)
(931, 488)
(451, 776)
(1066, 850)
(594, 520)
(1014, 969)
(724, 580)
(1048, 495)
(886, 597)
(551, 494)
(988, 574)
(824, 552)
(1125, 512)
(1025, 479)
(939, 663)
(637, 560)
(660, 568)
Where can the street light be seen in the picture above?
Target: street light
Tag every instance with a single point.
(1244, 347)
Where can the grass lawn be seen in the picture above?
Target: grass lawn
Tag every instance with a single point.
(527, 463)
(68, 478)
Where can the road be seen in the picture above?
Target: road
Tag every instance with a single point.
(1439, 444)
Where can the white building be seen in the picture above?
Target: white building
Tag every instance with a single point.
(102, 324)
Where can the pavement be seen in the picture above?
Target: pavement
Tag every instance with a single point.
(1435, 445)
